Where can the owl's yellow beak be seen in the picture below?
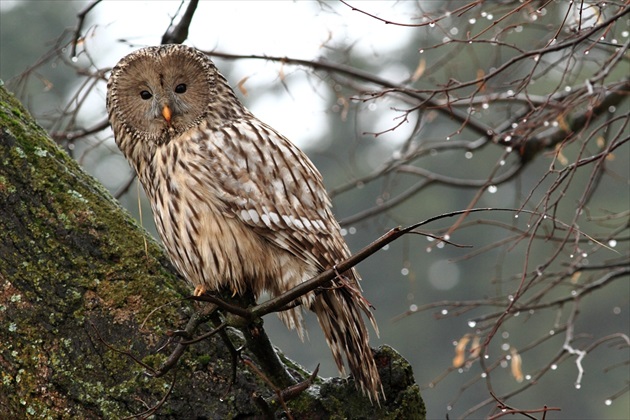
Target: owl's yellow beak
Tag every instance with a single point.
(166, 113)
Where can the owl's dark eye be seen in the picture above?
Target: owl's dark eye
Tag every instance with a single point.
(146, 95)
(181, 88)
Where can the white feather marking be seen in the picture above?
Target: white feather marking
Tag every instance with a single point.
(307, 223)
(254, 216)
(245, 215)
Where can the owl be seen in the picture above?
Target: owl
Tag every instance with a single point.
(236, 204)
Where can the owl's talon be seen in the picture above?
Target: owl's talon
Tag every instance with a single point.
(199, 290)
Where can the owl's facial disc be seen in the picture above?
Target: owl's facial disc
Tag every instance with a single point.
(163, 95)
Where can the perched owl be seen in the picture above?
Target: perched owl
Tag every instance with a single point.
(236, 204)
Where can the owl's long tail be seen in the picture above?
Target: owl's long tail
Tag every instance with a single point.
(338, 311)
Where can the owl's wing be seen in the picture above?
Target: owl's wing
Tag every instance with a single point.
(269, 184)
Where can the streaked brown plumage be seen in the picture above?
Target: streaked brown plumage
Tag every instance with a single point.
(236, 204)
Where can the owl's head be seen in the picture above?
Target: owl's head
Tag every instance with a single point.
(157, 93)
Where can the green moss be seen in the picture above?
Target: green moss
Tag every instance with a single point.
(70, 241)
(204, 360)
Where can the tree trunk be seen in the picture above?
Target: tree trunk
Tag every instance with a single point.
(87, 301)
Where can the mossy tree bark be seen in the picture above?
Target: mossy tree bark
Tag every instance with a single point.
(82, 287)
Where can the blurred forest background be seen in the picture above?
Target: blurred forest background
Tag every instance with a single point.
(423, 108)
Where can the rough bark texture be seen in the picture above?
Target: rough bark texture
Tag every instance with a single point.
(79, 279)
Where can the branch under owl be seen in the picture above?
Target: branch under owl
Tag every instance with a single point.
(281, 302)
(287, 299)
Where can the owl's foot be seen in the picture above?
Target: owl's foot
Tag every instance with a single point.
(199, 290)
